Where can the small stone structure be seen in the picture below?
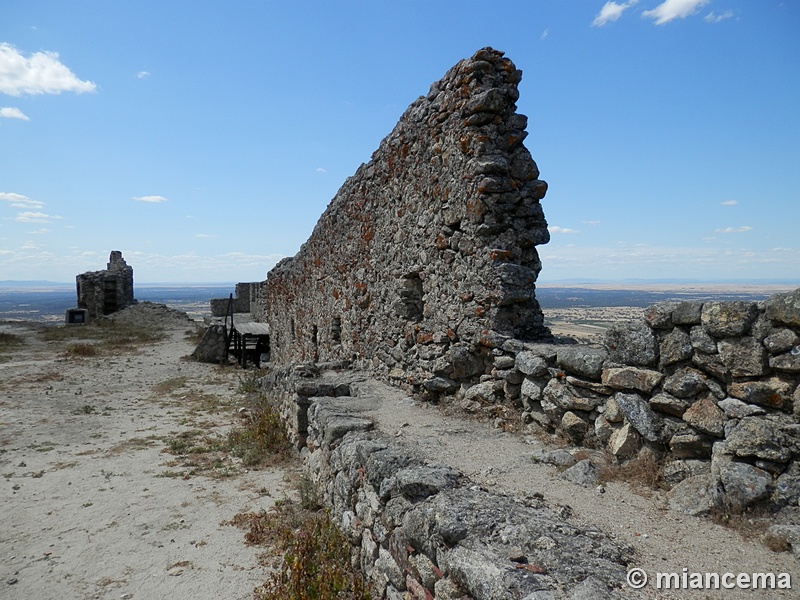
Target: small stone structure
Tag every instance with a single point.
(213, 347)
(104, 292)
(430, 248)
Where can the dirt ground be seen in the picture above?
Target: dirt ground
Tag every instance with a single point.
(101, 496)
(98, 499)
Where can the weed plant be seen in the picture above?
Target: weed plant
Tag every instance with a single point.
(250, 383)
(262, 440)
(313, 555)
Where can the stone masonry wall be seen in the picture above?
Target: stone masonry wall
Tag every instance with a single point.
(422, 530)
(104, 292)
(710, 387)
(430, 248)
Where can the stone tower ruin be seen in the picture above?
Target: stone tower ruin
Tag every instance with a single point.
(426, 256)
(104, 292)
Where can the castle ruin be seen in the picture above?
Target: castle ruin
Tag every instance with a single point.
(428, 252)
(422, 270)
(104, 292)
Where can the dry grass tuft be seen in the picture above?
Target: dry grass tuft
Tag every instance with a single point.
(10, 341)
(262, 440)
(82, 350)
(311, 555)
(643, 472)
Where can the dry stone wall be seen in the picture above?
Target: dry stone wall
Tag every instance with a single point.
(420, 529)
(428, 250)
(711, 387)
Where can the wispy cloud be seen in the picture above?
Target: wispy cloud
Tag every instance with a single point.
(204, 235)
(36, 217)
(742, 229)
(40, 73)
(557, 229)
(13, 113)
(729, 203)
(321, 170)
(150, 199)
(142, 74)
(611, 11)
(41, 231)
(545, 33)
(713, 17)
(670, 10)
(20, 201)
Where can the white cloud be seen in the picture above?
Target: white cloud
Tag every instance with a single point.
(713, 17)
(321, 170)
(143, 74)
(150, 199)
(36, 217)
(41, 231)
(13, 113)
(29, 246)
(611, 11)
(20, 201)
(674, 9)
(557, 229)
(40, 73)
(729, 203)
(742, 229)
(204, 235)
(545, 33)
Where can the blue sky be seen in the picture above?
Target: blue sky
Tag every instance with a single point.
(204, 139)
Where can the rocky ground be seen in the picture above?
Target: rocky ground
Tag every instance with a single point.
(102, 498)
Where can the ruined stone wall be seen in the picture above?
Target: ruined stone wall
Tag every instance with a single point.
(104, 292)
(244, 294)
(430, 248)
(712, 388)
(422, 528)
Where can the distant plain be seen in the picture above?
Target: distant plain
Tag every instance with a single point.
(579, 310)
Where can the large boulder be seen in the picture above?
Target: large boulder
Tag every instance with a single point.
(638, 413)
(744, 357)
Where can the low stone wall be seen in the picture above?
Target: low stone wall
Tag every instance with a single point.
(711, 387)
(424, 528)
